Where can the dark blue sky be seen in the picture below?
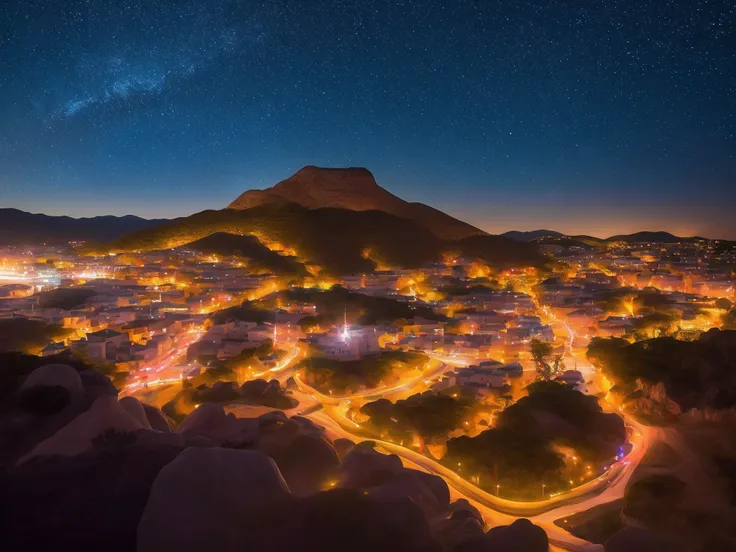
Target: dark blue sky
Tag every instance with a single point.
(595, 116)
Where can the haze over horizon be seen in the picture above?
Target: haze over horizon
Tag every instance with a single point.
(599, 118)
(504, 223)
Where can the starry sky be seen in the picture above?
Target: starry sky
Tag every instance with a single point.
(583, 116)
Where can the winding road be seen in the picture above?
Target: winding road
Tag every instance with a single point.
(330, 411)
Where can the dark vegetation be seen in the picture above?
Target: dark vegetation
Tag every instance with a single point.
(522, 451)
(64, 298)
(225, 369)
(28, 336)
(431, 415)
(257, 392)
(331, 308)
(248, 311)
(352, 375)
(338, 240)
(475, 287)
(361, 309)
(695, 374)
(259, 258)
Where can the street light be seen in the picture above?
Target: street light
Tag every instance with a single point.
(543, 486)
(497, 487)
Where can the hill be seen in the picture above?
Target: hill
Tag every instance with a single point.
(648, 236)
(540, 236)
(259, 257)
(21, 228)
(338, 240)
(531, 235)
(354, 189)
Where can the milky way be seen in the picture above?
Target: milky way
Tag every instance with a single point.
(598, 116)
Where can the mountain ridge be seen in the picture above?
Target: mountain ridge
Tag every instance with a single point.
(19, 227)
(338, 240)
(355, 189)
(655, 236)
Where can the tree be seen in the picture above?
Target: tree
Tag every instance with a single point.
(547, 363)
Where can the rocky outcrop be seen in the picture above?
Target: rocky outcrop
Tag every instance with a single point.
(365, 468)
(106, 414)
(427, 491)
(652, 400)
(210, 420)
(113, 475)
(308, 463)
(59, 375)
(636, 539)
(521, 535)
(198, 501)
(157, 419)
(85, 503)
(134, 407)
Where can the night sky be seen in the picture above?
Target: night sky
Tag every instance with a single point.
(584, 116)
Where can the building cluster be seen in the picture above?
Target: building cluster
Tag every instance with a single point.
(140, 311)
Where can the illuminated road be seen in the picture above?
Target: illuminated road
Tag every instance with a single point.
(607, 487)
(164, 371)
(495, 509)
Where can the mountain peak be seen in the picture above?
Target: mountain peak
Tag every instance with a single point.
(352, 188)
(336, 180)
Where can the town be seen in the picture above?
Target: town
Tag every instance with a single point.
(371, 355)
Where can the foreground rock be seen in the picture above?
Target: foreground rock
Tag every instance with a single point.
(636, 539)
(197, 502)
(59, 375)
(77, 436)
(521, 536)
(85, 503)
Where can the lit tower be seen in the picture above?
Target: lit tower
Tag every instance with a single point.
(345, 334)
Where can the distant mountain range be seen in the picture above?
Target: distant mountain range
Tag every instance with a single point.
(531, 235)
(22, 228)
(550, 236)
(340, 220)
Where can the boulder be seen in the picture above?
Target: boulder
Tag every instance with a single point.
(408, 484)
(343, 446)
(157, 419)
(307, 463)
(521, 536)
(437, 486)
(462, 509)
(455, 533)
(210, 420)
(337, 520)
(96, 384)
(84, 503)
(201, 499)
(105, 415)
(152, 437)
(364, 468)
(134, 407)
(60, 375)
(637, 539)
